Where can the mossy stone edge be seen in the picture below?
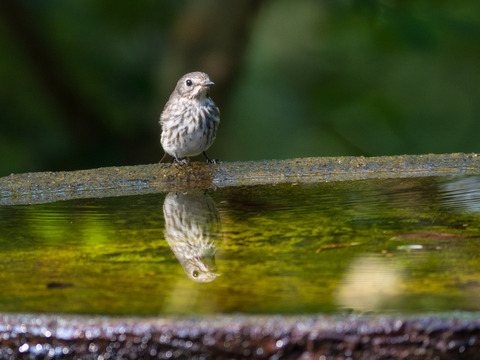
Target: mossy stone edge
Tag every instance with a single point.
(30, 188)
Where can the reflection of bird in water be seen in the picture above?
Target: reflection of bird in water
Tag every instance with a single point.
(192, 229)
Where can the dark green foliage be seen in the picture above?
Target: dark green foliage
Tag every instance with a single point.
(82, 83)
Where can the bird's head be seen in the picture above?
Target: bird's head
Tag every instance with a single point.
(194, 86)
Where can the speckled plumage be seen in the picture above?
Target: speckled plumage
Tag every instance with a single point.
(193, 231)
(190, 118)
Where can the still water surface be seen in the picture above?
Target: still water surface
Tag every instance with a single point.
(405, 245)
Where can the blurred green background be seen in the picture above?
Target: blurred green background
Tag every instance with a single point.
(83, 82)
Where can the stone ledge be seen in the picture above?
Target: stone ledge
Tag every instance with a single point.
(451, 336)
(141, 179)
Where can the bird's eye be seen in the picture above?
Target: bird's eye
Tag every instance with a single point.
(189, 82)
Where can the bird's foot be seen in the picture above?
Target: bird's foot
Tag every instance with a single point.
(181, 162)
(211, 161)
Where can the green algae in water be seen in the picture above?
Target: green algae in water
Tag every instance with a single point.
(407, 245)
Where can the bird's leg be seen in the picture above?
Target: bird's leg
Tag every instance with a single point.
(164, 157)
(210, 161)
(183, 161)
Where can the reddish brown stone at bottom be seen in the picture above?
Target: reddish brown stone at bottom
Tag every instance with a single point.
(451, 336)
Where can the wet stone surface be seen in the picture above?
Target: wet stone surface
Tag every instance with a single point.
(236, 337)
(141, 179)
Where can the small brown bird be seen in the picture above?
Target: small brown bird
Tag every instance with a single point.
(190, 118)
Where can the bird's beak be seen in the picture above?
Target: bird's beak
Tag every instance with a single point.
(208, 83)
